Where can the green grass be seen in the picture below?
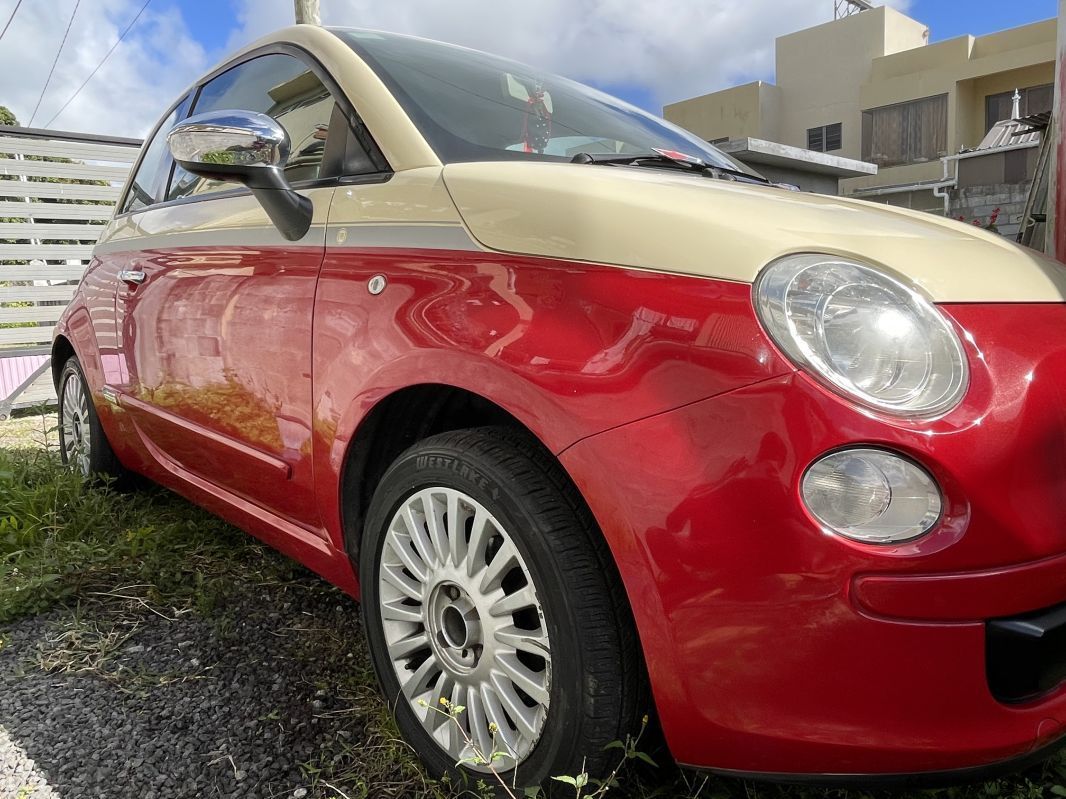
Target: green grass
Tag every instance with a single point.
(62, 543)
(59, 538)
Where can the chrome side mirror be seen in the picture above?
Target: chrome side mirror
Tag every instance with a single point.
(248, 148)
(229, 138)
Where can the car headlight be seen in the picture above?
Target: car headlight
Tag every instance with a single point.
(864, 333)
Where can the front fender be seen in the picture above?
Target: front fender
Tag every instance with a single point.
(570, 349)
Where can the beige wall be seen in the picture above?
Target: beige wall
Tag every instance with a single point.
(750, 110)
(820, 71)
(769, 111)
(832, 72)
(967, 69)
(895, 176)
(915, 201)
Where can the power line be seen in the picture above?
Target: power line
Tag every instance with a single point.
(9, 19)
(96, 69)
(55, 61)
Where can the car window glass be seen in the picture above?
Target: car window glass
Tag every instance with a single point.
(472, 106)
(282, 87)
(146, 187)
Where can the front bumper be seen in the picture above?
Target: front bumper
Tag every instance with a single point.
(774, 648)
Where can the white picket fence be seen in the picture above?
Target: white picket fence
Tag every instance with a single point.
(41, 262)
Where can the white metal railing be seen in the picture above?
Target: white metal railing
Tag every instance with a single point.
(51, 214)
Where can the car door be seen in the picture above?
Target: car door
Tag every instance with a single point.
(214, 305)
(99, 286)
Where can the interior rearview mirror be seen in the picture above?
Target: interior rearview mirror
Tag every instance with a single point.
(248, 148)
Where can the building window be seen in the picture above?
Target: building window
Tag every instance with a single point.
(906, 133)
(826, 138)
(1035, 100)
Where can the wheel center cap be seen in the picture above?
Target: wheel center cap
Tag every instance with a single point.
(455, 627)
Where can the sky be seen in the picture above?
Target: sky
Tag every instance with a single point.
(630, 48)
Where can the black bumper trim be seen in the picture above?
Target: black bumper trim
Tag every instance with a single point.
(1026, 654)
(921, 779)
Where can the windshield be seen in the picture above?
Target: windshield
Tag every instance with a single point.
(471, 106)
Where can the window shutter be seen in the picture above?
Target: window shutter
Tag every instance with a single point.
(816, 139)
(906, 133)
(834, 137)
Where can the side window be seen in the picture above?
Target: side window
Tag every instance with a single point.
(147, 187)
(280, 86)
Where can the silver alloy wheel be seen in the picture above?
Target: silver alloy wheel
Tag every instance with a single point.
(76, 436)
(462, 622)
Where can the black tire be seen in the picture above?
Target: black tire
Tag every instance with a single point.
(100, 460)
(597, 692)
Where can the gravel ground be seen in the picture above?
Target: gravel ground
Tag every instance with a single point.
(251, 681)
(122, 698)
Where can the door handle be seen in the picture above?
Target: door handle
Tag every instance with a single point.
(134, 276)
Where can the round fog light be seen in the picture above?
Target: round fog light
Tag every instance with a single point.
(872, 496)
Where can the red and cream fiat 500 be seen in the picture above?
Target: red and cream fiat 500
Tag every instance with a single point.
(579, 407)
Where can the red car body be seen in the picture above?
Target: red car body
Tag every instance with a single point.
(250, 378)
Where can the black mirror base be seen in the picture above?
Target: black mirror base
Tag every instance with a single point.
(290, 212)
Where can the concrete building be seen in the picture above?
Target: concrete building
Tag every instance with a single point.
(870, 88)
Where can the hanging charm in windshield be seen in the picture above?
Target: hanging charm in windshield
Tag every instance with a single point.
(537, 123)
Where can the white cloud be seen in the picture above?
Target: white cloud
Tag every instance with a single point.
(154, 63)
(685, 48)
(674, 50)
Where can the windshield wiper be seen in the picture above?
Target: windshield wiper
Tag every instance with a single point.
(671, 160)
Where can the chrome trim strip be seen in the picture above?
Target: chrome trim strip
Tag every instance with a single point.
(259, 236)
(361, 235)
(400, 236)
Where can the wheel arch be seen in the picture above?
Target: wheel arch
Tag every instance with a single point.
(396, 422)
(75, 336)
(62, 350)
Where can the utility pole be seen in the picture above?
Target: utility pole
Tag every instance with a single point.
(1056, 205)
(307, 12)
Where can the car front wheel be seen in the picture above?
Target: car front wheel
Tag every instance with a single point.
(496, 619)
